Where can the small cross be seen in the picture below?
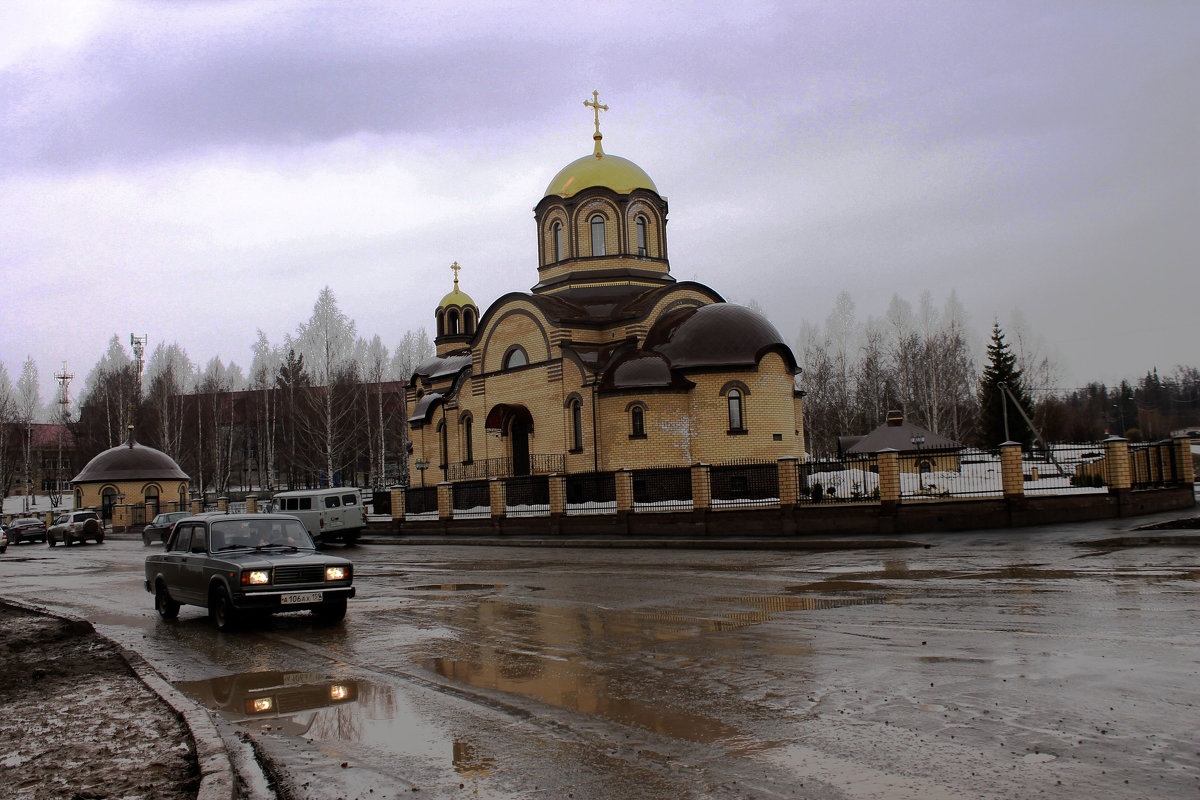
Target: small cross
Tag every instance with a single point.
(595, 105)
(456, 268)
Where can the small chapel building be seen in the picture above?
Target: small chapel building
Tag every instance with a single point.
(607, 362)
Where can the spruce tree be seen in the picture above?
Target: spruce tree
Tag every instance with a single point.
(1002, 368)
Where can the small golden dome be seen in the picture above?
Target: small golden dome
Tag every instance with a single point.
(456, 297)
(600, 169)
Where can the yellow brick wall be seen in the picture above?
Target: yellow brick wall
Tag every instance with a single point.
(527, 328)
(583, 229)
(89, 495)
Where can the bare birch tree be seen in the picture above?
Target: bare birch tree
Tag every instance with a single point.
(327, 342)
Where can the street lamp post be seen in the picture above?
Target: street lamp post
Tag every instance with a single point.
(918, 439)
(422, 465)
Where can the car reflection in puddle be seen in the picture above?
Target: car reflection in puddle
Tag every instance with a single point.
(287, 701)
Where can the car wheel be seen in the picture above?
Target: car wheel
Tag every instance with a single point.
(331, 612)
(221, 610)
(51, 541)
(100, 538)
(163, 604)
(350, 539)
(3, 549)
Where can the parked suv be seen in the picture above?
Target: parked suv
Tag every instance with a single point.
(240, 564)
(26, 529)
(75, 526)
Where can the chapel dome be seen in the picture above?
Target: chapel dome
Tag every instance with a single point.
(456, 297)
(716, 335)
(131, 462)
(599, 169)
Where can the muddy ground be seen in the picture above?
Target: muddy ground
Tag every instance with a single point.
(77, 723)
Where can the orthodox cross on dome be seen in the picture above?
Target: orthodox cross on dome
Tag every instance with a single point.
(456, 268)
(596, 107)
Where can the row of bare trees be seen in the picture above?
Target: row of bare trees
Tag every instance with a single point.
(322, 406)
(916, 360)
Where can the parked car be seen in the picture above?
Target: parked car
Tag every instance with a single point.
(75, 526)
(240, 564)
(3, 539)
(159, 529)
(328, 514)
(26, 529)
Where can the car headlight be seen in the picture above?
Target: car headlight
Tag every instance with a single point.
(337, 692)
(335, 573)
(259, 705)
(256, 577)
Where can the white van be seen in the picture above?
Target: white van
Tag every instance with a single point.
(329, 514)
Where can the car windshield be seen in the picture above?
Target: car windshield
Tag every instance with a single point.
(258, 534)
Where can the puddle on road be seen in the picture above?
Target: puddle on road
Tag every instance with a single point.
(455, 587)
(575, 688)
(333, 710)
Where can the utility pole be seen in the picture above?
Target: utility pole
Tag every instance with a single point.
(64, 409)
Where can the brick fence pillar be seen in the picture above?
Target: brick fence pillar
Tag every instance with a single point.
(1011, 476)
(197, 506)
(1117, 472)
(497, 497)
(701, 487)
(398, 499)
(222, 504)
(888, 460)
(789, 481)
(624, 490)
(1185, 468)
(558, 495)
(445, 491)
(251, 504)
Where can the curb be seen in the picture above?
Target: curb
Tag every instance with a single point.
(217, 780)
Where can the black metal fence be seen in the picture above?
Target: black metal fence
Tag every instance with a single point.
(966, 472)
(852, 479)
(1146, 465)
(1065, 468)
(747, 484)
(421, 500)
(591, 493)
(527, 496)
(662, 488)
(539, 464)
(471, 499)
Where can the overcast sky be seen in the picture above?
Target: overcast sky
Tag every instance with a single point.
(195, 171)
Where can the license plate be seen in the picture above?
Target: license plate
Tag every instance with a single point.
(301, 597)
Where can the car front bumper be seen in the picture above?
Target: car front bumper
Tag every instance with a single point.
(272, 600)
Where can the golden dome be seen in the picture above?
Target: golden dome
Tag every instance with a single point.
(600, 169)
(456, 297)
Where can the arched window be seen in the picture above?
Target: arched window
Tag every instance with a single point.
(150, 494)
(452, 322)
(736, 420)
(637, 422)
(468, 447)
(441, 323)
(557, 241)
(641, 237)
(108, 499)
(515, 357)
(442, 441)
(576, 426)
(79, 498)
(183, 503)
(468, 321)
(597, 222)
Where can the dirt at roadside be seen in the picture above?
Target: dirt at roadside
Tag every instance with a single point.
(76, 723)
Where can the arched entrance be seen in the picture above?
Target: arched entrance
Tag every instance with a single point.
(518, 435)
(515, 423)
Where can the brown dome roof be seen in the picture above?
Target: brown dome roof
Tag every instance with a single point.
(131, 462)
(717, 335)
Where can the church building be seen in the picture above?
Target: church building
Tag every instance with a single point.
(607, 362)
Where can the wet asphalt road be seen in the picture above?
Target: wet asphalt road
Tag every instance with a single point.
(991, 664)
